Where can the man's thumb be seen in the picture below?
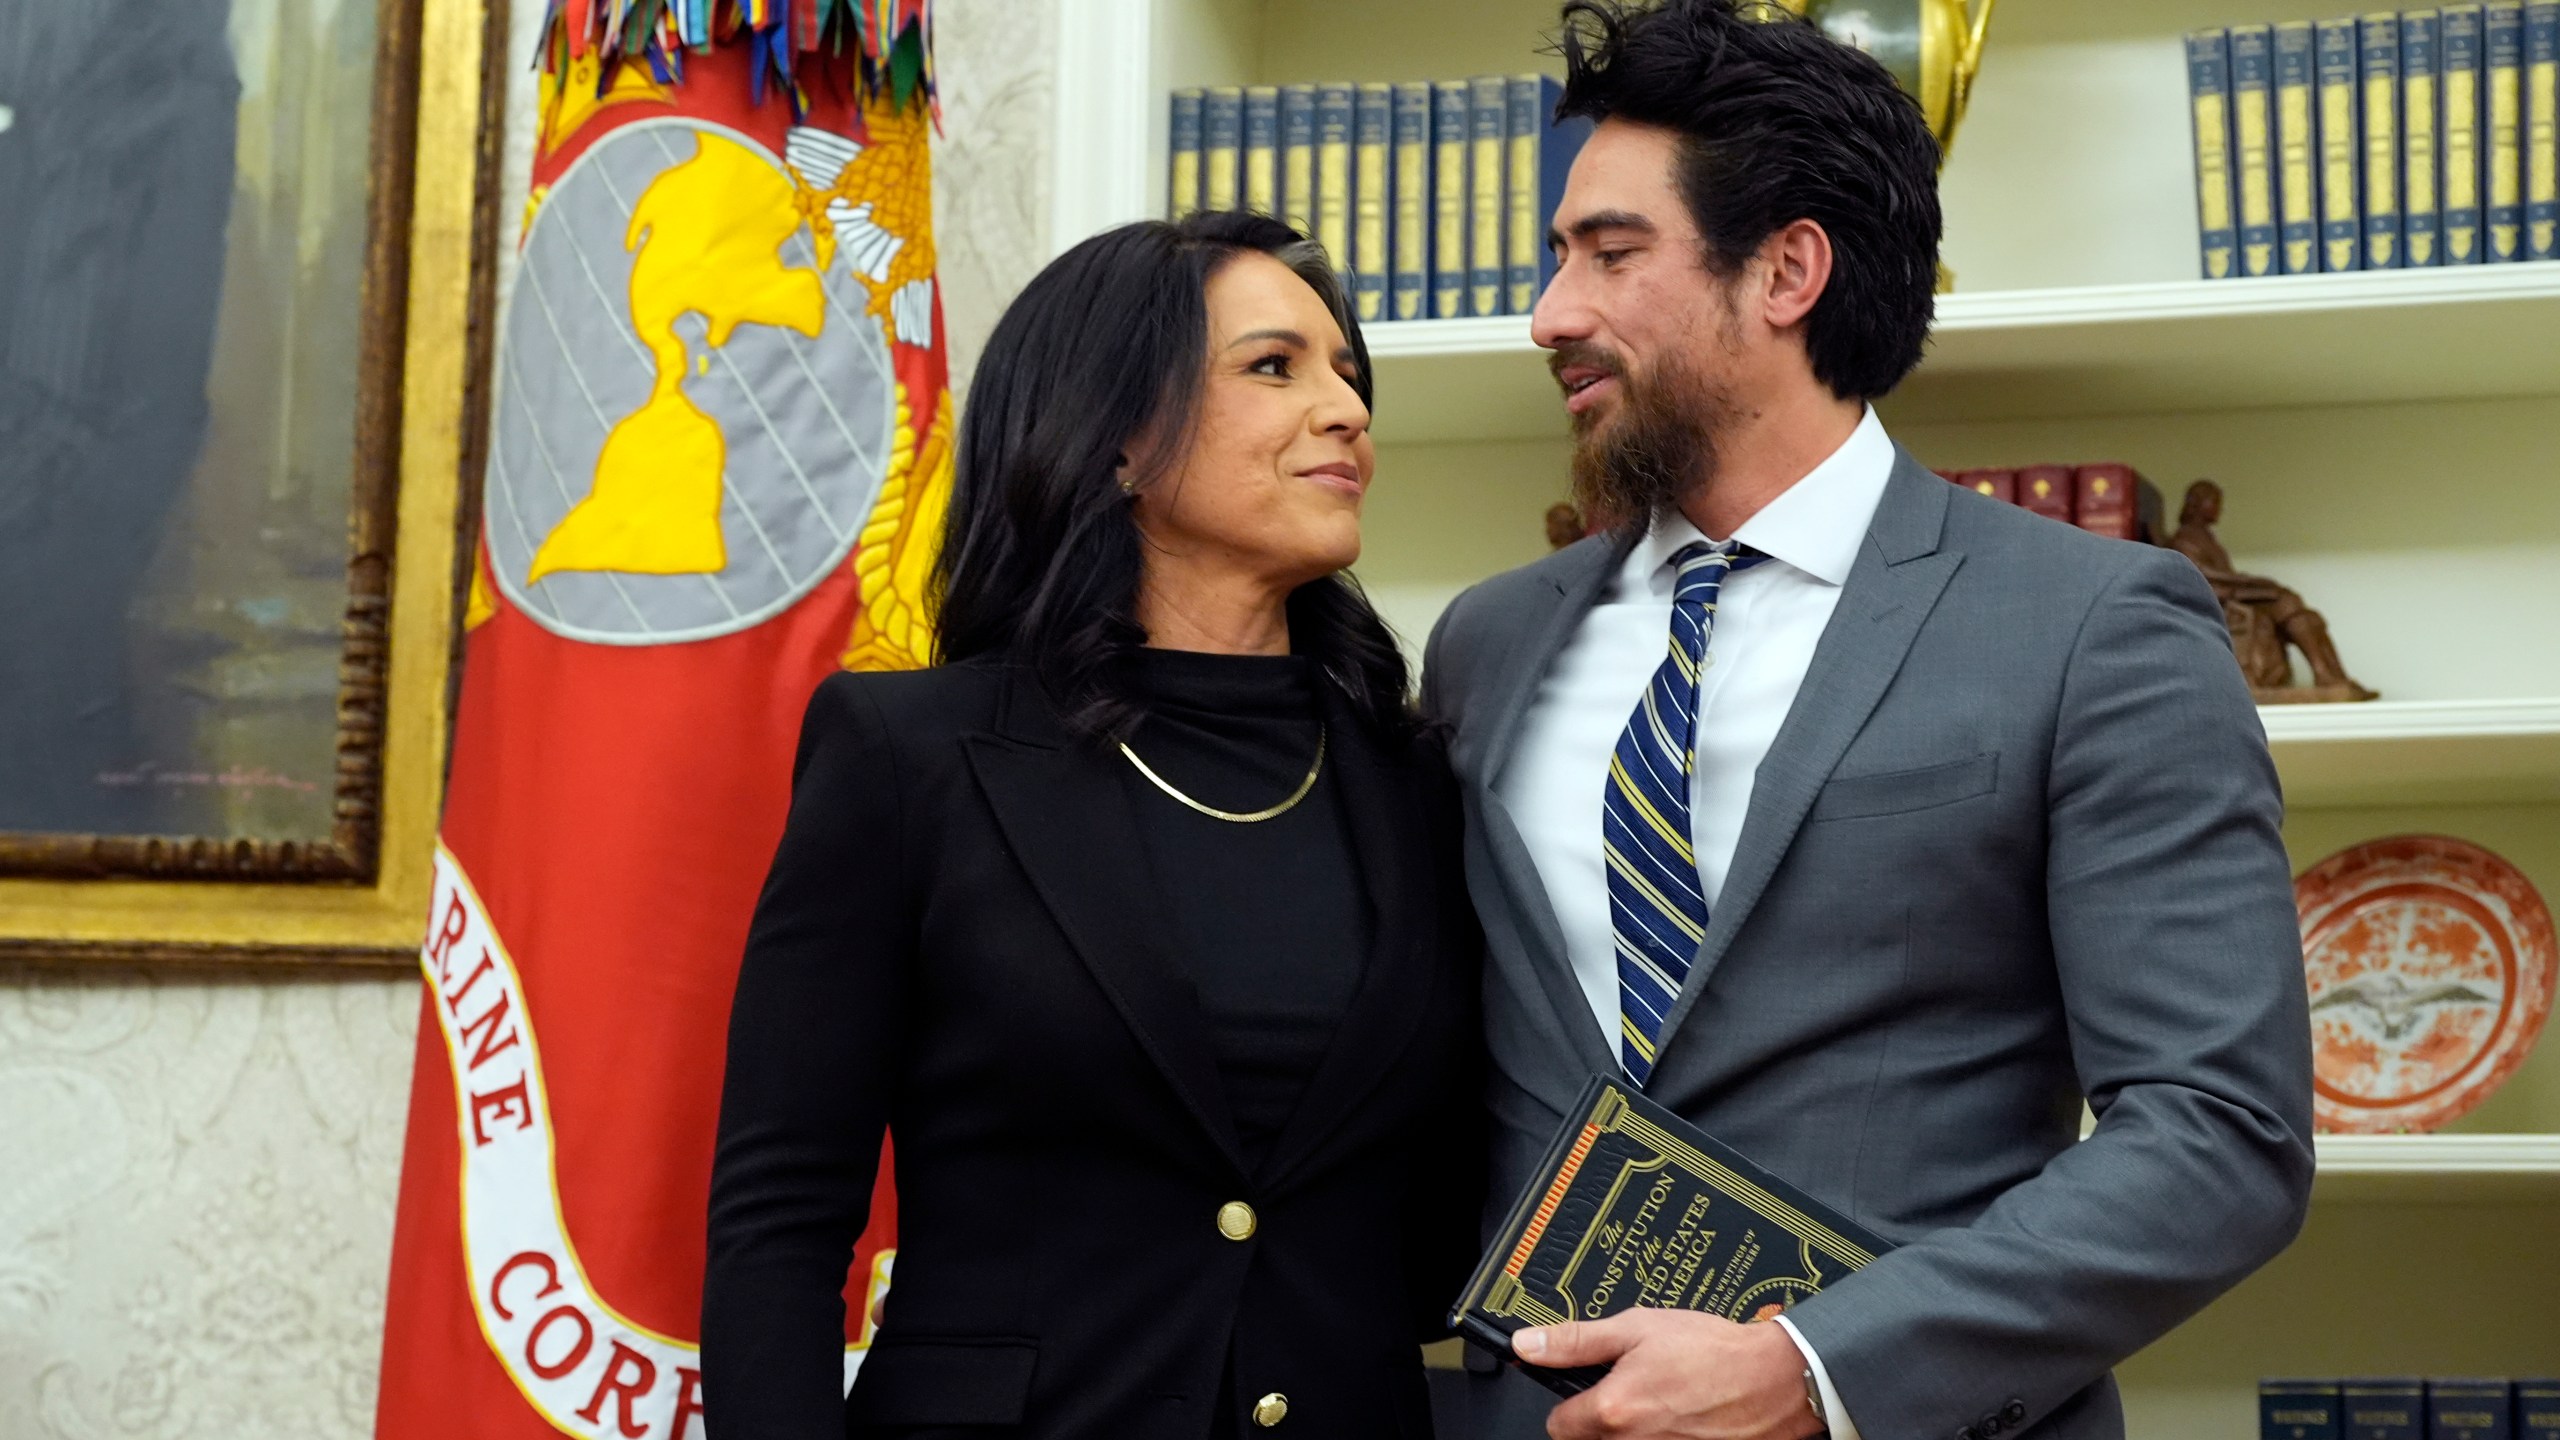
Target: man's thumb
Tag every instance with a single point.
(1572, 1343)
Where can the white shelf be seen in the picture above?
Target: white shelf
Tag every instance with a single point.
(2447, 1169)
(2436, 752)
(2469, 333)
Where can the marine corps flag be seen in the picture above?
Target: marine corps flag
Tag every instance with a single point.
(720, 446)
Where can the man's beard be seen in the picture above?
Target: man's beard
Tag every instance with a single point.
(1655, 447)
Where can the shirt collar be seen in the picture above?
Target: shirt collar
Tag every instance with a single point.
(1814, 525)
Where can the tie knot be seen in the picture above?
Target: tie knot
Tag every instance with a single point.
(1702, 568)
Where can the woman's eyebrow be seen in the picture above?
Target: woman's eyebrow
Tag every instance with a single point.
(1249, 337)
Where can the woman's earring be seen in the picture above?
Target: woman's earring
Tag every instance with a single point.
(1128, 486)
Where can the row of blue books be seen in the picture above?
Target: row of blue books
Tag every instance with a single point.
(2384, 142)
(1433, 198)
(2408, 1409)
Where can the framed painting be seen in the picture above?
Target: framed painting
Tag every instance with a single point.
(247, 244)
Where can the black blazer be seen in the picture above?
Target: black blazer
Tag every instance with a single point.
(958, 943)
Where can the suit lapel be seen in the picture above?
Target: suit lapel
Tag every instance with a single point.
(1391, 847)
(1065, 812)
(1898, 577)
(1582, 575)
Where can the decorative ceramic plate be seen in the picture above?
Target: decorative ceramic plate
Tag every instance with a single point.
(2431, 963)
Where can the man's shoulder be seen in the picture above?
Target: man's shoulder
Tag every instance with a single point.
(1492, 610)
(2052, 560)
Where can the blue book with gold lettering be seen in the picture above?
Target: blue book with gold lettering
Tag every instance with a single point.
(2384, 1409)
(1633, 1205)
(1541, 156)
(2470, 1410)
(2297, 147)
(2537, 1410)
(2209, 94)
(2465, 44)
(1448, 199)
(2502, 188)
(1298, 157)
(1486, 115)
(1182, 146)
(1409, 223)
(1222, 148)
(2297, 1410)
(1372, 175)
(1333, 175)
(2341, 146)
(2421, 183)
(2253, 140)
(2542, 130)
(2378, 44)
(1262, 149)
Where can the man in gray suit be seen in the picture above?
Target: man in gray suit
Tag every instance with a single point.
(1932, 820)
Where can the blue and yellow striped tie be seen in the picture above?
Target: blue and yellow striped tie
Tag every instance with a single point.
(1657, 907)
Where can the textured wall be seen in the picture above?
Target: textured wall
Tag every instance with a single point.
(197, 1175)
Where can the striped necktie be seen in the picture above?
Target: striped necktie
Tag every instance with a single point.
(1657, 906)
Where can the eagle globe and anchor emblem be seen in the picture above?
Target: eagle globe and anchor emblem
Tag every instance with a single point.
(697, 407)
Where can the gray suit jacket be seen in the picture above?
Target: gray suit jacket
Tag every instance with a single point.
(2015, 845)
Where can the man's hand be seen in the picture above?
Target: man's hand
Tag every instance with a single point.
(1676, 1375)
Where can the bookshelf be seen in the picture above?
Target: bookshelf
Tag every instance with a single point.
(2386, 441)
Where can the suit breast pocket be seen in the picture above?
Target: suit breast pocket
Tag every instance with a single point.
(1899, 792)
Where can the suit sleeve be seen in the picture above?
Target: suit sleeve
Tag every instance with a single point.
(813, 1056)
(2178, 960)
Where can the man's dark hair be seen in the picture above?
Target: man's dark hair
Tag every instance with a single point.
(1779, 123)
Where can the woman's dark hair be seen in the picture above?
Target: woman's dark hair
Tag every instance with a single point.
(1780, 123)
(1041, 556)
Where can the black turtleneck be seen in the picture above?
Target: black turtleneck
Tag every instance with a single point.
(1269, 919)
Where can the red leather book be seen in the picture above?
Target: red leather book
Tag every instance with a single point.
(2046, 489)
(2000, 485)
(2102, 501)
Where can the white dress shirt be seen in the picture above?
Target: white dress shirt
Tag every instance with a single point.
(1768, 620)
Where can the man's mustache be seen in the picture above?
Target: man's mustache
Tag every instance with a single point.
(1584, 354)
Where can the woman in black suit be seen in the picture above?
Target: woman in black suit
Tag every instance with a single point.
(1138, 921)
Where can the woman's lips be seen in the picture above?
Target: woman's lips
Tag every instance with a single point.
(1339, 476)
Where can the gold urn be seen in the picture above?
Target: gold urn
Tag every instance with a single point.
(1934, 47)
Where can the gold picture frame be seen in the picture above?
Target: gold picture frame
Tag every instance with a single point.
(356, 895)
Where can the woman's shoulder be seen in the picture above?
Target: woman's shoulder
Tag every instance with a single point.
(935, 699)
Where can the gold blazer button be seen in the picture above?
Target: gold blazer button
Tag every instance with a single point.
(1270, 1410)
(1236, 1221)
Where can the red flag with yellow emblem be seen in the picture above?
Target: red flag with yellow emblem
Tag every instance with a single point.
(720, 446)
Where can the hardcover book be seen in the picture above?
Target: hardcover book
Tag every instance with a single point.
(2470, 1410)
(2384, 1409)
(2253, 157)
(1372, 125)
(2537, 1410)
(2465, 40)
(2000, 485)
(1541, 156)
(2046, 490)
(2104, 501)
(2297, 1410)
(1182, 143)
(2378, 43)
(1486, 114)
(2502, 187)
(2542, 130)
(1333, 175)
(2209, 93)
(1262, 149)
(1448, 199)
(2421, 192)
(2341, 146)
(1298, 157)
(2297, 140)
(1632, 1206)
(1409, 226)
(1221, 148)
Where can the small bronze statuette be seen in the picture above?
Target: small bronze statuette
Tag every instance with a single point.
(2264, 616)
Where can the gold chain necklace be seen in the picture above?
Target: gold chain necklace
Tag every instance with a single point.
(1283, 808)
